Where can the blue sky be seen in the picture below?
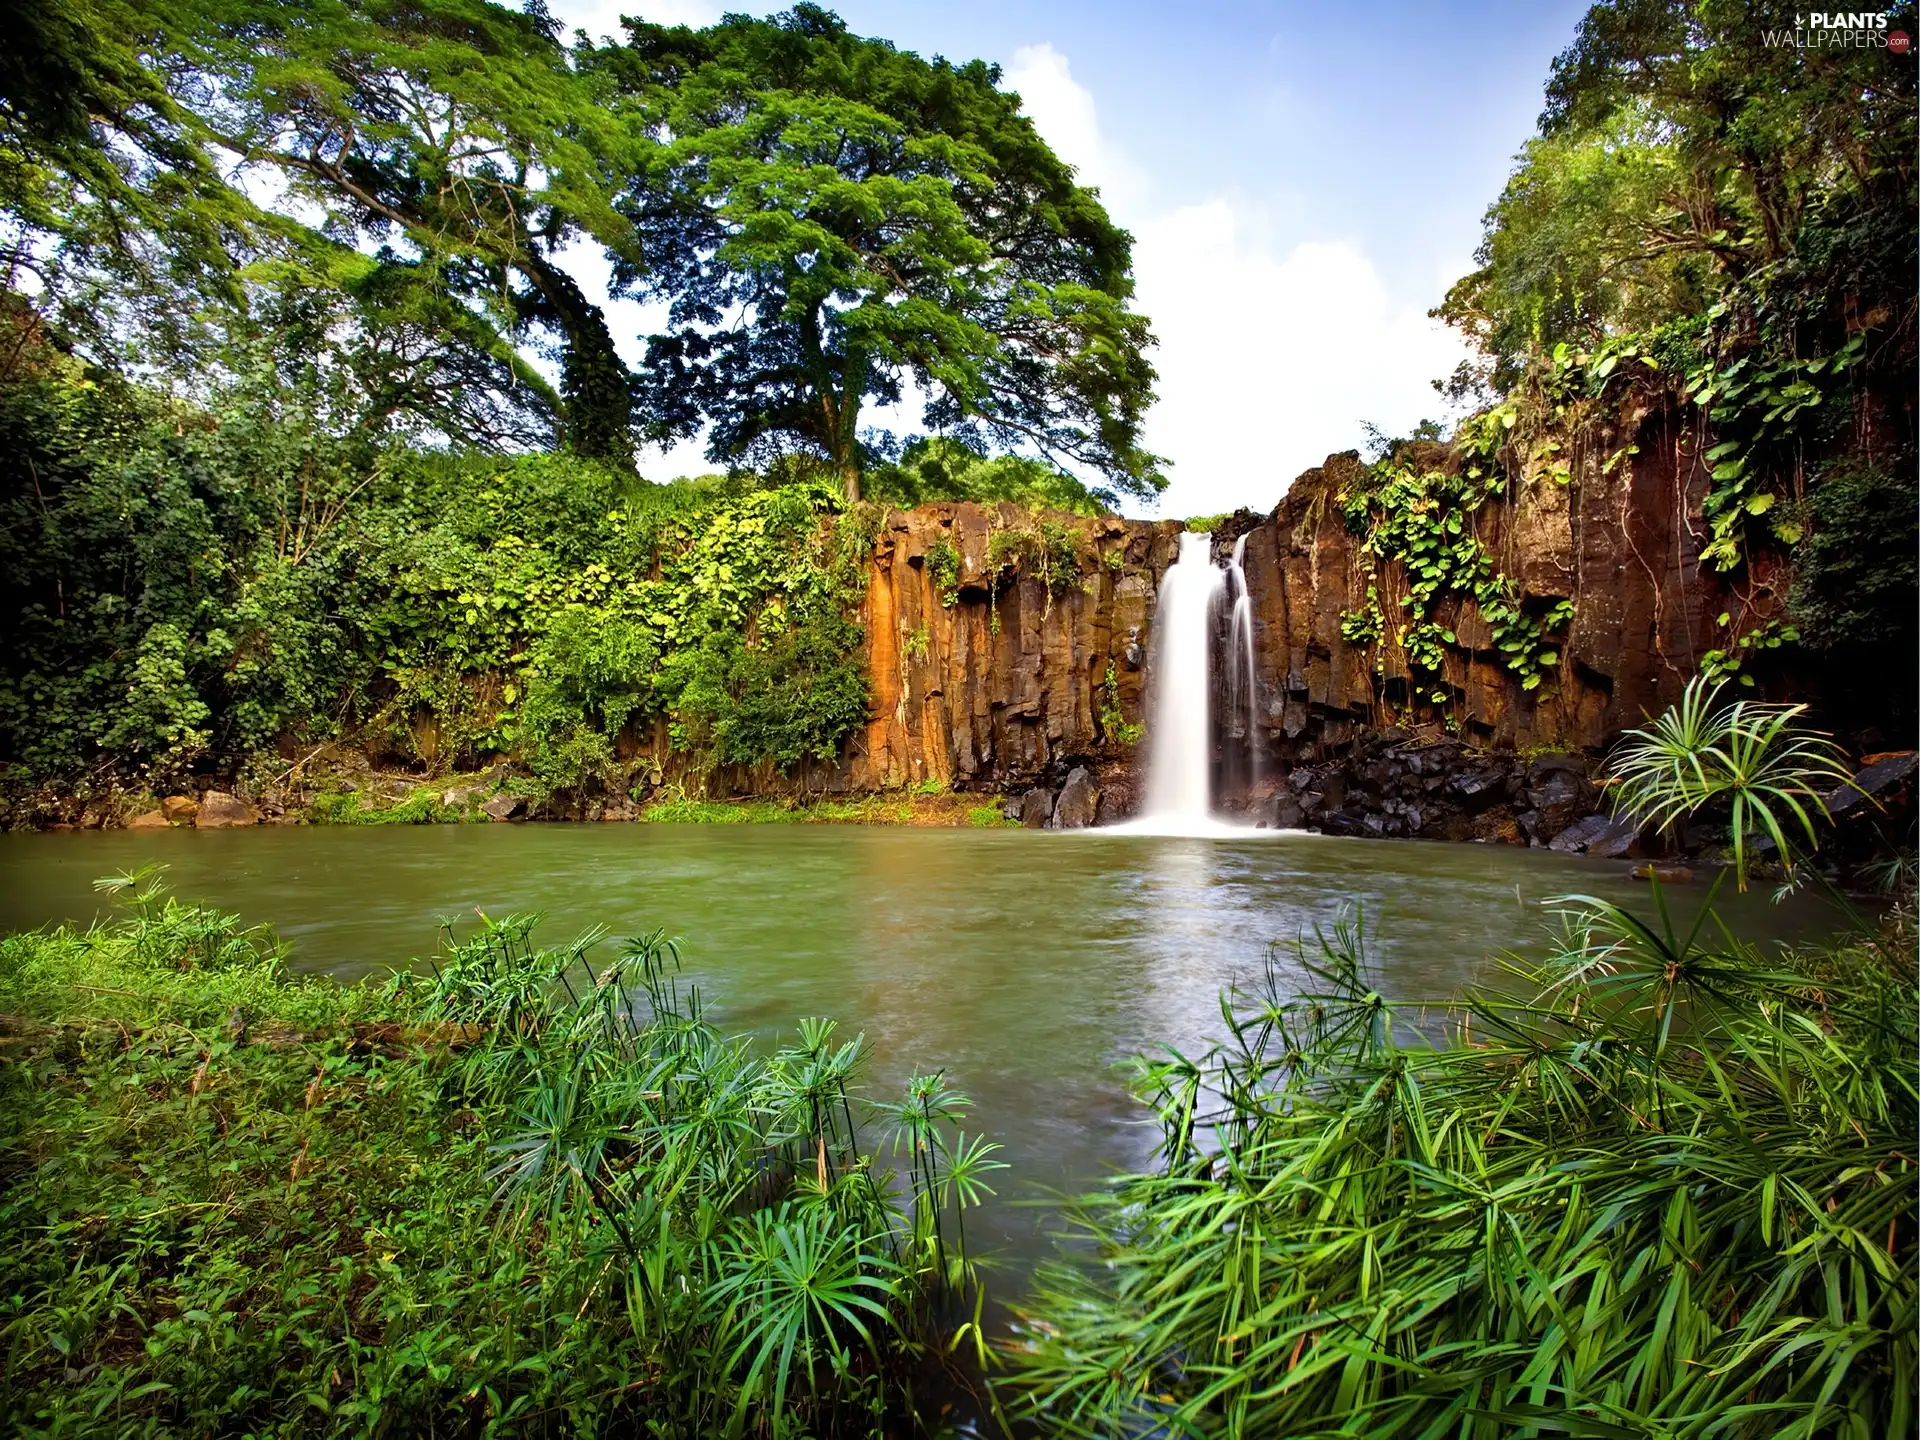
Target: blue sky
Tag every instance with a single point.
(1303, 183)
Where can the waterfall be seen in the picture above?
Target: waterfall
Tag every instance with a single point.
(1243, 697)
(1179, 730)
(1196, 597)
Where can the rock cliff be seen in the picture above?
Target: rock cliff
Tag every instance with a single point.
(986, 676)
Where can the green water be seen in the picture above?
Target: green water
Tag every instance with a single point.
(1026, 964)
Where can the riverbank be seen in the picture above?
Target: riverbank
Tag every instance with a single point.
(1385, 784)
(239, 1199)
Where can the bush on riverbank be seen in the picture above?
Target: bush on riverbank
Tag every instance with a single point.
(238, 1201)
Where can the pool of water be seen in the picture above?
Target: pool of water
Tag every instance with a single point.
(1026, 964)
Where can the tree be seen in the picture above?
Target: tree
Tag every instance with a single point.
(112, 206)
(452, 136)
(1680, 156)
(835, 221)
(458, 128)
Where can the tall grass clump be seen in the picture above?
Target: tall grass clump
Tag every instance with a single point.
(525, 1192)
(1667, 1191)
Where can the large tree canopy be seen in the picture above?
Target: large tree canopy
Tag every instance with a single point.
(835, 221)
(1681, 155)
(455, 128)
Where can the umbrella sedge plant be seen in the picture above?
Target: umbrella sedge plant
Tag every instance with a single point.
(520, 1189)
(1668, 1190)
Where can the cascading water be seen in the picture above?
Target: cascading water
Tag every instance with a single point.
(1193, 596)
(1179, 730)
(1243, 701)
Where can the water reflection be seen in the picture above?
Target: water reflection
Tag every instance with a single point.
(1026, 965)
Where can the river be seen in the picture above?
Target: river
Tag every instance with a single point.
(1026, 964)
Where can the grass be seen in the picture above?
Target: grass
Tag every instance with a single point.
(530, 1192)
(927, 803)
(423, 806)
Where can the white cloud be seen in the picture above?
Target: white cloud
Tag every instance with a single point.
(1270, 357)
(1271, 360)
(601, 18)
(1063, 111)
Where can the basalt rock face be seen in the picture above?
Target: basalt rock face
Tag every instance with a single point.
(999, 682)
(1622, 544)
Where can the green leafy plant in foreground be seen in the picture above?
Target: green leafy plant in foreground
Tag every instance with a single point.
(528, 1188)
(1673, 1193)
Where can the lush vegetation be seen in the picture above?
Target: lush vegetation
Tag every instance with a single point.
(1718, 229)
(194, 587)
(1664, 1184)
(518, 1187)
(354, 461)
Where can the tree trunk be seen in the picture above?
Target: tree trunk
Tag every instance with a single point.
(594, 382)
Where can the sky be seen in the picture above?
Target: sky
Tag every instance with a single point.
(1303, 183)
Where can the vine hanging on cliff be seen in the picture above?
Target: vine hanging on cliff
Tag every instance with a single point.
(1424, 520)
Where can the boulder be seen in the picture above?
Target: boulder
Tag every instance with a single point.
(221, 811)
(1579, 835)
(151, 820)
(505, 807)
(1881, 774)
(1557, 787)
(1036, 808)
(179, 809)
(1116, 799)
(1285, 813)
(1079, 801)
(1477, 789)
(1621, 840)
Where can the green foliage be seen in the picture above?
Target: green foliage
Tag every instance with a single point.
(1364, 627)
(941, 468)
(1749, 756)
(1206, 524)
(868, 220)
(943, 566)
(1048, 551)
(1680, 160)
(1425, 520)
(422, 807)
(1723, 664)
(990, 817)
(192, 587)
(239, 1199)
(1113, 720)
(1669, 1195)
(1757, 413)
(1855, 572)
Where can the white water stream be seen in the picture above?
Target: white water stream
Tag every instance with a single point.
(1179, 724)
(1180, 728)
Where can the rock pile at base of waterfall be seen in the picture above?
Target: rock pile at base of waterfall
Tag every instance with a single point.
(1392, 784)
